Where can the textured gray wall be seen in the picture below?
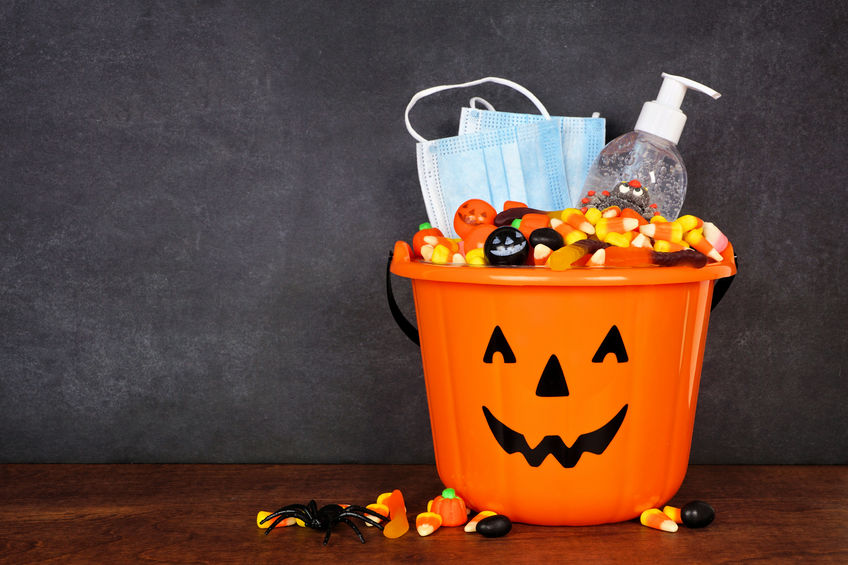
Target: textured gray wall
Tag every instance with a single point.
(198, 200)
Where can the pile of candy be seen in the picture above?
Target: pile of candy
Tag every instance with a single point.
(564, 239)
(388, 514)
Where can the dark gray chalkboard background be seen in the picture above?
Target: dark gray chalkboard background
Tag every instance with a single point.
(197, 200)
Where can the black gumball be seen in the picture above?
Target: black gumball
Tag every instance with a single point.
(506, 246)
(697, 514)
(546, 236)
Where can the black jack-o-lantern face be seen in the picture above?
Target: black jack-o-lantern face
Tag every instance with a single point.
(506, 246)
(552, 383)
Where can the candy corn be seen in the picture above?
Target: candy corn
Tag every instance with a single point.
(689, 222)
(668, 231)
(673, 513)
(617, 225)
(611, 212)
(715, 237)
(427, 522)
(471, 526)
(654, 518)
(696, 239)
(631, 213)
(669, 246)
(541, 253)
(576, 219)
(441, 254)
(261, 515)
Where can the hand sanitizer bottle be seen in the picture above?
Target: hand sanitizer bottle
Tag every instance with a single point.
(643, 169)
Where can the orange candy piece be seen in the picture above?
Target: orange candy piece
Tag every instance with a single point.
(627, 256)
(399, 523)
(473, 213)
(533, 221)
(673, 513)
(476, 236)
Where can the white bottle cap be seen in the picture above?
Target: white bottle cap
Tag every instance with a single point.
(663, 117)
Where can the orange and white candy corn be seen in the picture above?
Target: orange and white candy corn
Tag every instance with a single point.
(427, 522)
(576, 219)
(615, 225)
(696, 239)
(654, 518)
(668, 231)
(471, 526)
(261, 515)
(541, 254)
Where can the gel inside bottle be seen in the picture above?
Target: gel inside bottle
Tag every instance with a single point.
(648, 154)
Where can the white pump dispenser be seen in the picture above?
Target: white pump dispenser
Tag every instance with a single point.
(649, 154)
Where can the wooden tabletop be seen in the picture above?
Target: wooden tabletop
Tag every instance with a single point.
(207, 513)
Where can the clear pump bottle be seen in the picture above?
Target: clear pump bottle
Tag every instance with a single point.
(648, 154)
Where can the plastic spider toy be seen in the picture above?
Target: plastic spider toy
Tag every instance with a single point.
(325, 518)
(626, 194)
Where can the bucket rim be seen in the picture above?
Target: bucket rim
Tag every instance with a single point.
(403, 265)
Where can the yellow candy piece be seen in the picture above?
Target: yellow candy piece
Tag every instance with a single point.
(575, 235)
(476, 257)
(617, 239)
(562, 258)
(441, 255)
(593, 215)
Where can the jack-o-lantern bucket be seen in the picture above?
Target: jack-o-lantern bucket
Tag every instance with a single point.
(561, 398)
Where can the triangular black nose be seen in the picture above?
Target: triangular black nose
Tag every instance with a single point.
(552, 382)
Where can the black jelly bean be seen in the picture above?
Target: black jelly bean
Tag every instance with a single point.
(697, 514)
(506, 246)
(494, 526)
(546, 236)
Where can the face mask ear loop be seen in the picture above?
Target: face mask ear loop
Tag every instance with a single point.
(432, 90)
(483, 102)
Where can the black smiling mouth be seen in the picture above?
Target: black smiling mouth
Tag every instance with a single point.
(592, 442)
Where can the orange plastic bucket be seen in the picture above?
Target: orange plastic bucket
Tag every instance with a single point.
(562, 397)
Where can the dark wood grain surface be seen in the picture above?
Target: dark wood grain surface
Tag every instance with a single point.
(206, 514)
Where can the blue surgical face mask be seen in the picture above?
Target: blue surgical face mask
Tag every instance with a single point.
(582, 138)
(520, 162)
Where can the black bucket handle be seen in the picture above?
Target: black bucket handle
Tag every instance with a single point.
(404, 324)
(720, 288)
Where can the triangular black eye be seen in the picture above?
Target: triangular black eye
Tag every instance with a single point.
(498, 343)
(611, 344)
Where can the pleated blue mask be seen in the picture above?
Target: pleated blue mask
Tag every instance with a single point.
(520, 162)
(582, 138)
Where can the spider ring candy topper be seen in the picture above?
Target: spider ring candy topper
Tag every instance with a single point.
(626, 194)
(325, 518)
